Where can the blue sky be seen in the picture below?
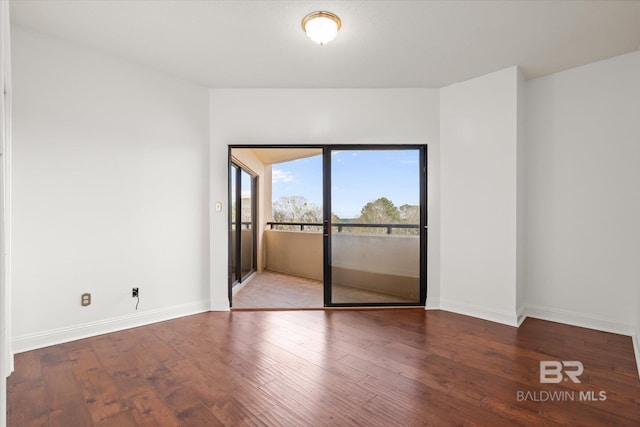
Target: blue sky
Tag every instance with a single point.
(358, 177)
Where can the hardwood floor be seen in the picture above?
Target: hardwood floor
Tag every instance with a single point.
(324, 368)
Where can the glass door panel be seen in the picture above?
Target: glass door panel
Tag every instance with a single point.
(246, 226)
(242, 224)
(376, 224)
(233, 172)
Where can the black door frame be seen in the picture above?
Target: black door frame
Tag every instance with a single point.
(327, 225)
(237, 198)
(326, 171)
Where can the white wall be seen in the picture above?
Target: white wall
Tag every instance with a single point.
(478, 161)
(110, 192)
(316, 116)
(6, 354)
(583, 202)
(521, 205)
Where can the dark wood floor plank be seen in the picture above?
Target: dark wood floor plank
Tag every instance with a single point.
(53, 355)
(325, 368)
(279, 416)
(189, 409)
(319, 354)
(99, 392)
(60, 385)
(124, 419)
(574, 414)
(386, 412)
(231, 412)
(412, 395)
(27, 367)
(128, 379)
(27, 404)
(151, 410)
(310, 402)
(70, 413)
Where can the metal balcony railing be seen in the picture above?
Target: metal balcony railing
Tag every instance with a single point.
(317, 226)
(274, 225)
(243, 225)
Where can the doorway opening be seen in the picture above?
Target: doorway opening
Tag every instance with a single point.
(336, 226)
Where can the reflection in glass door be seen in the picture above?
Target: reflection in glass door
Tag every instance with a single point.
(242, 233)
(375, 225)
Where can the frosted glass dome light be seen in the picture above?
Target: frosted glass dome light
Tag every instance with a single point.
(321, 27)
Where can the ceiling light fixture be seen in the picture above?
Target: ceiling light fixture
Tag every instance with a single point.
(321, 27)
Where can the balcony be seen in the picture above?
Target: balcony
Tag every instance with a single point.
(372, 263)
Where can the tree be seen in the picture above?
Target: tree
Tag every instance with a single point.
(296, 209)
(380, 211)
(410, 214)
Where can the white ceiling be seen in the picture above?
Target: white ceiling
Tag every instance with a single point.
(256, 43)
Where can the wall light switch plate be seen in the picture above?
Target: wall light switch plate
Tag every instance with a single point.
(218, 206)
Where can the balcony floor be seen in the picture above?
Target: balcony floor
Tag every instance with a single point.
(269, 289)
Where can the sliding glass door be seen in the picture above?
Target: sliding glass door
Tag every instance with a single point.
(363, 244)
(375, 225)
(242, 233)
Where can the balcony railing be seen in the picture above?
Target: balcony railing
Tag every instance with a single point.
(243, 225)
(317, 226)
(364, 258)
(275, 225)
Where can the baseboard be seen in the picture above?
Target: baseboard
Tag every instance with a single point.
(432, 304)
(219, 304)
(480, 312)
(579, 319)
(636, 349)
(57, 336)
(521, 313)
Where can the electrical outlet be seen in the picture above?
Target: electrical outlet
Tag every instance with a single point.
(134, 293)
(85, 299)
